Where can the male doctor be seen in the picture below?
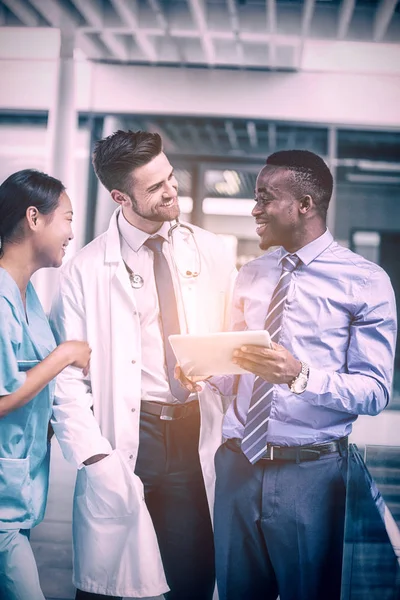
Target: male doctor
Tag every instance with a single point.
(143, 445)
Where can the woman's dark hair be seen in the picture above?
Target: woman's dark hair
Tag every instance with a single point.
(21, 190)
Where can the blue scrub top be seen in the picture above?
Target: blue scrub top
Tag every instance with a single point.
(25, 340)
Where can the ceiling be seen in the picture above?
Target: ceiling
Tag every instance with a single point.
(239, 34)
(244, 34)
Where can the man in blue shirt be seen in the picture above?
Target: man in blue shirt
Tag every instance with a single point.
(280, 490)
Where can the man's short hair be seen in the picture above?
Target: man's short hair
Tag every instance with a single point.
(311, 175)
(116, 156)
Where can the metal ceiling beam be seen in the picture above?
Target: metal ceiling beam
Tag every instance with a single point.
(89, 47)
(53, 13)
(271, 28)
(90, 10)
(383, 16)
(197, 8)
(114, 45)
(345, 15)
(168, 144)
(23, 12)
(271, 137)
(163, 23)
(159, 13)
(271, 16)
(252, 133)
(59, 17)
(176, 135)
(231, 133)
(194, 136)
(212, 135)
(234, 17)
(308, 12)
(128, 14)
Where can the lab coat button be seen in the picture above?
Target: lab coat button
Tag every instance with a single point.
(130, 456)
(133, 361)
(133, 409)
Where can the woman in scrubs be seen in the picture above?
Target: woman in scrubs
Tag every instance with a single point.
(35, 229)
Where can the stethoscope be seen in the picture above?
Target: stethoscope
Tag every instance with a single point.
(183, 272)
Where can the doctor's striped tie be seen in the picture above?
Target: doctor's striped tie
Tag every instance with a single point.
(254, 442)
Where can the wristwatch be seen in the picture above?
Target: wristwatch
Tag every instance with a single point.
(299, 383)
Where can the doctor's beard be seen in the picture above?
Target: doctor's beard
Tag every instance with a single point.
(159, 213)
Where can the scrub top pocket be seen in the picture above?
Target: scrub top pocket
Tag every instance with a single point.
(25, 365)
(15, 491)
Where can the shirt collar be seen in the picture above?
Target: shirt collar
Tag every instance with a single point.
(310, 251)
(134, 237)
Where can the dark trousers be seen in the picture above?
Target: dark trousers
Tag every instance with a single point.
(169, 466)
(278, 527)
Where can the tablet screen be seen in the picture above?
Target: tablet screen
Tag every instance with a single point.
(211, 354)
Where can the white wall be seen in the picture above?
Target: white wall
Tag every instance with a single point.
(368, 100)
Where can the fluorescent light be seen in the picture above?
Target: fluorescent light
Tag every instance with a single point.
(186, 204)
(367, 238)
(377, 165)
(230, 185)
(238, 207)
(364, 178)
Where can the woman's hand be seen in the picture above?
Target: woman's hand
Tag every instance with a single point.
(77, 354)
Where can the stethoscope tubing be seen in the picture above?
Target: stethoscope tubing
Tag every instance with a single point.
(188, 274)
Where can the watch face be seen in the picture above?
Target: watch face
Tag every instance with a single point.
(300, 384)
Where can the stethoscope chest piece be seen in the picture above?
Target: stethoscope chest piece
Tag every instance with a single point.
(136, 281)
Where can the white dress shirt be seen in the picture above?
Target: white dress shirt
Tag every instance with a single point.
(139, 258)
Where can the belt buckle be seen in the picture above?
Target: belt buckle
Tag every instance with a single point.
(313, 454)
(269, 453)
(164, 416)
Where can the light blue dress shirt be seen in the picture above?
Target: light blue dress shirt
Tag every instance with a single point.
(24, 457)
(340, 319)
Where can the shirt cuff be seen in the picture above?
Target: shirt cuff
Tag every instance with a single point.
(315, 385)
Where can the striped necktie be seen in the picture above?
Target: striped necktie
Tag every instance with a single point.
(168, 312)
(254, 442)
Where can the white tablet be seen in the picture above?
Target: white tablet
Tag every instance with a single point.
(211, 354)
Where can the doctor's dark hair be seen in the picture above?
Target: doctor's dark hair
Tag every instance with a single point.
(116, 156)
(20, 191)
(310, 175)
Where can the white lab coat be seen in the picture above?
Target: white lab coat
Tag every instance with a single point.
(115, 546)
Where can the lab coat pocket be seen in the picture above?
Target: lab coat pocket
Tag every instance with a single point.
(110, 490)
(15, 491)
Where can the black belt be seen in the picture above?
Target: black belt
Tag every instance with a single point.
(170, 412)
(295, 453)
